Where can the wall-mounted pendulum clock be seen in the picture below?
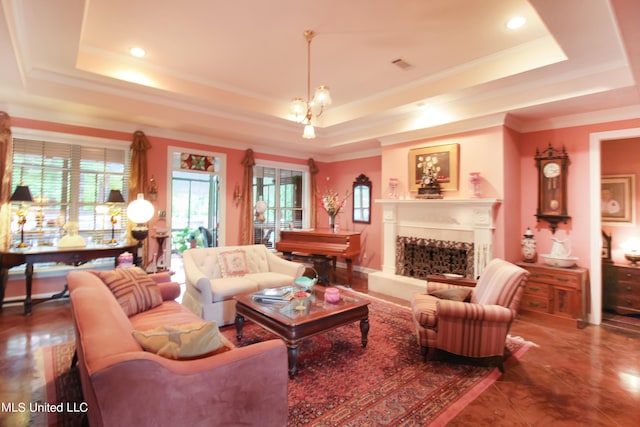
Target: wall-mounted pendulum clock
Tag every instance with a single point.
(553, 166)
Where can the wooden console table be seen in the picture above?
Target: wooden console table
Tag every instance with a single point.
(560, 294)
(69, 256)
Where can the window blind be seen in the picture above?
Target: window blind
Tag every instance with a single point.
(69, 182)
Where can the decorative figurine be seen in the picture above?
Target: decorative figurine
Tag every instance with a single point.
(72, 239)
(529, 247)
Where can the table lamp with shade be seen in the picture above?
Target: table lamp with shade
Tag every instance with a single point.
(114, 200)
(140, 211)
(631, 250)
(22, 194)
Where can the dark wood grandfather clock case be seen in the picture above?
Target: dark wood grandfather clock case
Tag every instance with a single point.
(553, 166)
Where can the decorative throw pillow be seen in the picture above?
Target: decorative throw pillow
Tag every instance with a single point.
(233, 263)
(182, 342)
(133, 288)
(453, 294)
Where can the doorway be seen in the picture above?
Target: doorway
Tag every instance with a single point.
(195, 208)
(595, 174)
(619, 163)
(196, 199)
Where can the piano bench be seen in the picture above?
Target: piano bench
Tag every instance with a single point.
(320, 265)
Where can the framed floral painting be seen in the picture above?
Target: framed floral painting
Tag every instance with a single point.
(440, 158)
(617, 199)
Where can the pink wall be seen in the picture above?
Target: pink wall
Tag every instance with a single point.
(339, 176)
(487, 151)
(503, 157)
(480, 151)
(576, 141)
(157, 163)
(157, 158)
(157, 167)
(511, 232)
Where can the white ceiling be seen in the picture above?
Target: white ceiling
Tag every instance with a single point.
(225, 71)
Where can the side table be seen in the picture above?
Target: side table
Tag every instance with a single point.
(621, 288)
(557, 294)
(161, 263)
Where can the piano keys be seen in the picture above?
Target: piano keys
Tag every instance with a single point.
(343, 244)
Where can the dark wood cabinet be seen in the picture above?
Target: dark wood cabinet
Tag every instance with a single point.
(621, 288)
(558, 294)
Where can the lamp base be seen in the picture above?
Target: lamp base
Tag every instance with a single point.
(21, 245)
(139, 233)
(633, 258)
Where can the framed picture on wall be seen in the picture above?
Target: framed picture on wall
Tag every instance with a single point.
(617, 199)
(446, 157)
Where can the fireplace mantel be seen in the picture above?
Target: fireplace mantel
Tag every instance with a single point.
(461, 220)
(452, 213)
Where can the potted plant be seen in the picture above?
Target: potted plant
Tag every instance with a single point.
(187, 238)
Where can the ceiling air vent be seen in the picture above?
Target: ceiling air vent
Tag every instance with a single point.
(401, 63)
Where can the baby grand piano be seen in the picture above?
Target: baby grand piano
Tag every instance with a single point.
(344, 244)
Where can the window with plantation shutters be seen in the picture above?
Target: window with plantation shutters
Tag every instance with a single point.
(283, 189)
(69, 182)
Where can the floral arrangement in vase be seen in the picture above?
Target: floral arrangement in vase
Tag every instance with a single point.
(430, 187)
(332, 203)
(430, 169)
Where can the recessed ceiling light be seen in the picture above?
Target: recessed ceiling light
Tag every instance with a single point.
(516, 22)
(138, 52)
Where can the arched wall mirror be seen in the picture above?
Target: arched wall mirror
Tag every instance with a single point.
(362, 199)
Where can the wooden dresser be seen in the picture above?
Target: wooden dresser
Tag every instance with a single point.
(621, 288)
(558, 294)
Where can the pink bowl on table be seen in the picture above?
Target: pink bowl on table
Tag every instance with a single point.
(332, 295)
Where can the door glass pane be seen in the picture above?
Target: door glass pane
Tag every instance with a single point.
(282, 190)
(194, 208)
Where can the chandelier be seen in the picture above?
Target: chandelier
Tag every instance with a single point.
(305, 111)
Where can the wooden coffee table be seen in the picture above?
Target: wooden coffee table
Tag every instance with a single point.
(293, 325)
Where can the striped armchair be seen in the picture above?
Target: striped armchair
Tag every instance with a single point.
(477, 328)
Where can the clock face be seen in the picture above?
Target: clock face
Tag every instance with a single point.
(551, 170)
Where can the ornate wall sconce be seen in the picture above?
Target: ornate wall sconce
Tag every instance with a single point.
(153, 189)
(237, 195)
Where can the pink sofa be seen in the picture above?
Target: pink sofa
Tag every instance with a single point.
(123, 385)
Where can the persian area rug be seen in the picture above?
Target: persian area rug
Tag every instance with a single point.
(59, 386)
(339, 383)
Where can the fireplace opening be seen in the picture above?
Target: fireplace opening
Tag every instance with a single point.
(419, 257)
